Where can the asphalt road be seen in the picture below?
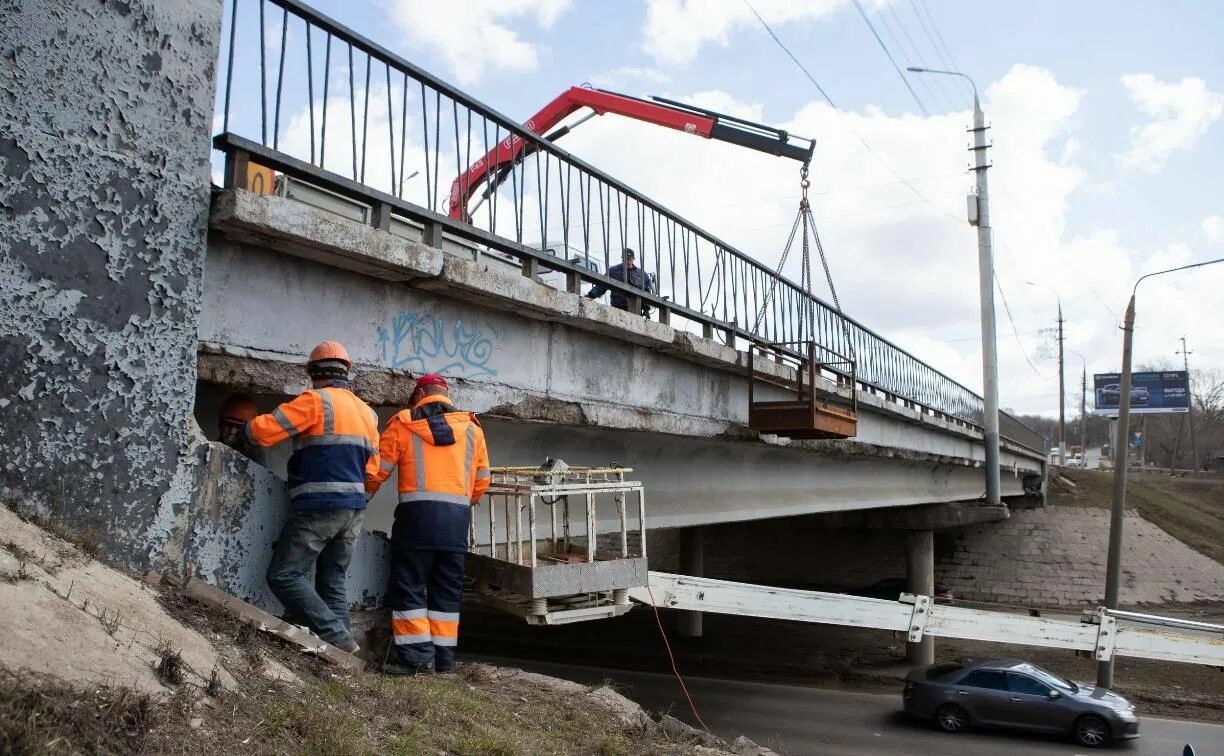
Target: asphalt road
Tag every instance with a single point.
(799, 720)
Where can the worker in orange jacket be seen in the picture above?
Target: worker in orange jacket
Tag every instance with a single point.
(335, 438)
(443, 470)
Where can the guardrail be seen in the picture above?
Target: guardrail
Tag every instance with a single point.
(307, 96)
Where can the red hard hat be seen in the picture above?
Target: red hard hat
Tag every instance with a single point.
(330, 350)
(238, 409)
(431, 379)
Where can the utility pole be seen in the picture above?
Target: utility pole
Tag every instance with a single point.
(990, 357)
(1194, 458)
(1113, 567)
(1113, 576)
(1084, 415)
(1062, 394)
(979, 215)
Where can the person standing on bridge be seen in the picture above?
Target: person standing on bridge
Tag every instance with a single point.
(335, 438)
(628, 272)
(443, 471)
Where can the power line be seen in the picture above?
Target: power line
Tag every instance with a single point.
(884, 47)
(948, 62)
(932, 84)
(791, 55)
(1015, 331)
(833, 105)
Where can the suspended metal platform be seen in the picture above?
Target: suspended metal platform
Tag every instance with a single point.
(807, 415)
(565, 575)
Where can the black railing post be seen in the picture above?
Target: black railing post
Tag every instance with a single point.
(431, 235)
(380, 216)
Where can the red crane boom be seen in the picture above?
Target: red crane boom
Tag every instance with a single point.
(707, 124)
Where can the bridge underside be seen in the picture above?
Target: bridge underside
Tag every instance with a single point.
(699, 481)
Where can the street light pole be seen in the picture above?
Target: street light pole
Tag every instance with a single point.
(1113, 568)
(990, 357)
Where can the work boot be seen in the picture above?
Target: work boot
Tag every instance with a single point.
(407, 670)
(348, 646)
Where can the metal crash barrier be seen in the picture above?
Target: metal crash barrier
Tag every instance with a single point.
(565, 574)
(1102, 633)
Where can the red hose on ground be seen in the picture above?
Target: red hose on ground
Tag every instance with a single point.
(672, 658)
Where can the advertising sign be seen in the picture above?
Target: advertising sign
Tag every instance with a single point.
(1151, 393)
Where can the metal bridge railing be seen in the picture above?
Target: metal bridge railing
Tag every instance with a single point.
(304, 95)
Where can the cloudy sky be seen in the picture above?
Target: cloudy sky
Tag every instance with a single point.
(1107, 151)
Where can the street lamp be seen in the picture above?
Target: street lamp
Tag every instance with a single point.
(979, 215)
(1121, 449)
(1062, 392)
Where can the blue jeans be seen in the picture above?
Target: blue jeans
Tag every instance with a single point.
(324, 539)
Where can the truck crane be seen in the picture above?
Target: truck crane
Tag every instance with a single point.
(495, 166)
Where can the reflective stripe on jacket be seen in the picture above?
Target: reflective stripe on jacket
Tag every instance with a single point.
(335, 437)
(443, 469)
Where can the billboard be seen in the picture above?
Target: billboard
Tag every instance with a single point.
(1151, 393)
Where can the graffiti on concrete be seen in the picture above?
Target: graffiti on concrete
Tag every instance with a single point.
(421, 342)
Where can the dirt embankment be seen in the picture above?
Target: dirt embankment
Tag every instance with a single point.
(1189, 509)
(95, 661)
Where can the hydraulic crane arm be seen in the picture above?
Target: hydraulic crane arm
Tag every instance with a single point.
(493, 167)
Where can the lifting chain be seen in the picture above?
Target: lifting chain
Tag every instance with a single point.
(805, 219)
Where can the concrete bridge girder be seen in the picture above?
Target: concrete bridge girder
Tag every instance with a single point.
(511, 344)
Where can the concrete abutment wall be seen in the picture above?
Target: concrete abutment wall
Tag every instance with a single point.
(105, 112)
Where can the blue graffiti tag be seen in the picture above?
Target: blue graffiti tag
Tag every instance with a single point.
(421, 343)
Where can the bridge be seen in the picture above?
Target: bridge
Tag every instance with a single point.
(318, 233)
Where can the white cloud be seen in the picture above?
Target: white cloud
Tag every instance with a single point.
(473, 36)
(629, 77)
(903, 267)
(676, 30)
(1213, 229)
(1180, 114)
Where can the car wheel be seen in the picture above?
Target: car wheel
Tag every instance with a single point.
(951, 718)
(1091, 731)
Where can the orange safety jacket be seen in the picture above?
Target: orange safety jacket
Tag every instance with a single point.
(335, 439)
(443, 470)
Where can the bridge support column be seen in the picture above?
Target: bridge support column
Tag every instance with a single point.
(920, 574)
(692, 562)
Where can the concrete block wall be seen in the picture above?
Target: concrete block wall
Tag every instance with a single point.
(105, 113)
(1056, 557)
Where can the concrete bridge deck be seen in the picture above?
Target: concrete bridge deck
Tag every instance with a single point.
(555, 374)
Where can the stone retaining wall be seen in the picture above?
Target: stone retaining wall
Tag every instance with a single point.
(1056, 557)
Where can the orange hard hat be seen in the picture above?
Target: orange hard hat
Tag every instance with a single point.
(330, 350)
(238, 409)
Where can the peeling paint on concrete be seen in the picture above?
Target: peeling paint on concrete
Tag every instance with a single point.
(105, 198)
(221, 518)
